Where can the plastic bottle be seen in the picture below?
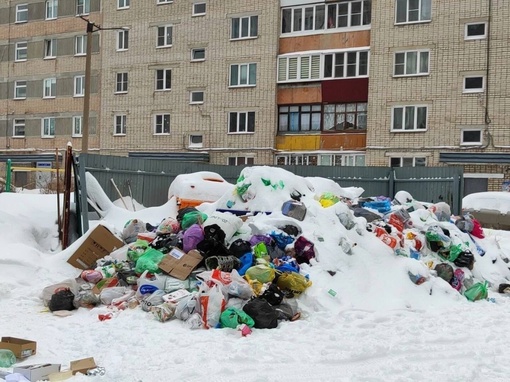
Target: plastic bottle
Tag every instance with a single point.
(7, 358)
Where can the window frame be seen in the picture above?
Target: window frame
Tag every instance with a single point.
(51, 121)
(193, 50)
(404, 108)
(195, 145)
(420, 11)
(52, 88)
(122, 118)
(337, 111)
(165, 36)
(85, 4)
(127, 4)
(18, 87)
(19, 12)
(467, 37)
(80, 42)
(465, 90)
(18, 49)
(300, 112)
(403, 158)
(191, 93)
(124, 82)
(53, 6)
(75, 118)
(418, 60)
(250, 28)
(17, 124)
(248, 161)
(79, 78)
(160, 2)
(122, 43)
(198, 14)
(249, 75)
(345, 64)
(155, 124)
(247, 115)
(165, 87)
(52, 44)
(463, 141)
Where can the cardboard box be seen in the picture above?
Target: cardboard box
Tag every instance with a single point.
(180, 264)
(20, 347)
(78, 366)
(99, 243)
(37, 372)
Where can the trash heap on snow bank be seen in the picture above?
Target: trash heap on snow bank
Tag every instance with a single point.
(251, 258)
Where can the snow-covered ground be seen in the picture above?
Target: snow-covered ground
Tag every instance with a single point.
(380, 326)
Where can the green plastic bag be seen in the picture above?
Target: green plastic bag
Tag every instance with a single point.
(260, 251)
(232, 318)
(137, 249)
(478, 291)
(149, 261)
(261, 272)
(455, 251)
(193, 217)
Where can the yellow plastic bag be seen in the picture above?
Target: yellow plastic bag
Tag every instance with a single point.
(293, 284)
(261, 272)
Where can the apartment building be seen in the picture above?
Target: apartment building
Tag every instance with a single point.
(438, 93)
(42, 64)
(323, 76)
(190, 80)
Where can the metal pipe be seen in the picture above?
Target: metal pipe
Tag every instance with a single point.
(86, 96)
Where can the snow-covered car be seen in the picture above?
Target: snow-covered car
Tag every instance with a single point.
(193, 189)
(491, 209)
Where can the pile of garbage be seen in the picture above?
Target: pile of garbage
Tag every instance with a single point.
(245, 260)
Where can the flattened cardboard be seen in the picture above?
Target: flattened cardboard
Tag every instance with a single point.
(180, 264)
(37, 372)
(20, 347)
(78, 366)
(100, 243)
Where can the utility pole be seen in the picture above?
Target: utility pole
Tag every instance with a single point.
(86, 96)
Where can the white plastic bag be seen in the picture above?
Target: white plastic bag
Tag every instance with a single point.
(107, 295)
(49, 291)
(239, 287)
(212, 304)
(229, 223)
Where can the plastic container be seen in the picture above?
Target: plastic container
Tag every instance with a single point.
(7, 358)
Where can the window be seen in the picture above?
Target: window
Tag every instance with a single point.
(79, 86)
(77, 126)
(408, 161)
(241, 122)
(50, 48)
(299, 68)
(471, 137)
(161, 124)
(122, 83)
(80, 45)
(409, 118)
(346, 64)
(475, 31)
(119, 127)
(309, 18)
(51, 9)
(411, 63)
(196, 141)
(198, 54)
(297, 118)
(244, 27)
(163, 79)
(18, 128)
(48, 127)
(49, 87)
(243, 75)
(122, 40)
(241, 161)
(196, 97)
(164, 1)
(473, 84)
(82, 7)
(412, 11)
(21, 13)
(345, 116)
(164, 36)
(123, 4)
(20, 89)
(21, 51)
(353, 159)
(198, 9)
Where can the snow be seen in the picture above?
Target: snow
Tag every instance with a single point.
(378, 327)
(493, 200)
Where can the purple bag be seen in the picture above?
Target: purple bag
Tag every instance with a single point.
(192, 236)
(255, 239)
(304, 249)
